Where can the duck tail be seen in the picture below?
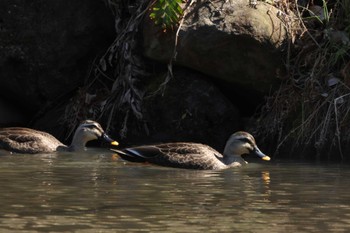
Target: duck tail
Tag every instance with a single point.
(129, 155)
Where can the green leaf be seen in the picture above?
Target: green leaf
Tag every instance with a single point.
(166, 13)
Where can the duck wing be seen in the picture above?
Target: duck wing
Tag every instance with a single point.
(180, 155)
(24, 140)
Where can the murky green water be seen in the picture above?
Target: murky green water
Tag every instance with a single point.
(92, 192)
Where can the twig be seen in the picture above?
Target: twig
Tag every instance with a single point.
(173, 58)
(302, 23)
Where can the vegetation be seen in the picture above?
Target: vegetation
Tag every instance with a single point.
(114, 79)
(166, 13)
(312, 106)
(122, 67)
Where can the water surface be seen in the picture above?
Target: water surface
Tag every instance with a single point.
(94, 192)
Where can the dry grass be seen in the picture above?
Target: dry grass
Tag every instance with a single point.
(312, 106)
(113, 81)
(113, 90)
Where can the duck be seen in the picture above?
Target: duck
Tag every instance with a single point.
(31, 141)
(191, 155)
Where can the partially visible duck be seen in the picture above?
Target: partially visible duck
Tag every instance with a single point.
(30, 141)
(194, 155)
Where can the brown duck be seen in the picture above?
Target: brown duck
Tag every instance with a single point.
(30, 141)
(194, 155)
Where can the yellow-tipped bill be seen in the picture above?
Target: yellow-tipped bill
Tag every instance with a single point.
(258, 152)
(114, 143)
(106, 138)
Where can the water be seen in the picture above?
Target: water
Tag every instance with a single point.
(94, 192)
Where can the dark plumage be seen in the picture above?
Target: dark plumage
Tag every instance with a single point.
(25, 140)
(194, 155)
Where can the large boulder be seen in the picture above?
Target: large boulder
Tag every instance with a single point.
(47, 48)
(227, 40)
(190, 109)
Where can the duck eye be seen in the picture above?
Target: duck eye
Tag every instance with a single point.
(244, 140)
(90, 126)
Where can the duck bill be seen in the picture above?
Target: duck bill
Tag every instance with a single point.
(106, 138)
(258, 152)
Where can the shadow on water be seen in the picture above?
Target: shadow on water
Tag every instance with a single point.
(94, 191)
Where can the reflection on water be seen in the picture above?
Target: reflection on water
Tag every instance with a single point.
(93, 192)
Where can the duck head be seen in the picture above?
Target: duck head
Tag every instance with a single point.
(87, 131)
(242, 143)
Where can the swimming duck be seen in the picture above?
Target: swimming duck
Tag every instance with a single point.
(195, 155)
(30, 141)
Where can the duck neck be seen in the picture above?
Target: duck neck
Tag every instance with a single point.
(232, 158)
(228, 160)
(78, 142)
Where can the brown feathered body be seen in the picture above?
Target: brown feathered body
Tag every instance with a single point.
(30, 141)
(177, 154)
(194, 155)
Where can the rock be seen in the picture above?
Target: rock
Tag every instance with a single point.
(47, 48)
(10, 115)
(317, 13)
(226, 40)
(191, 109)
